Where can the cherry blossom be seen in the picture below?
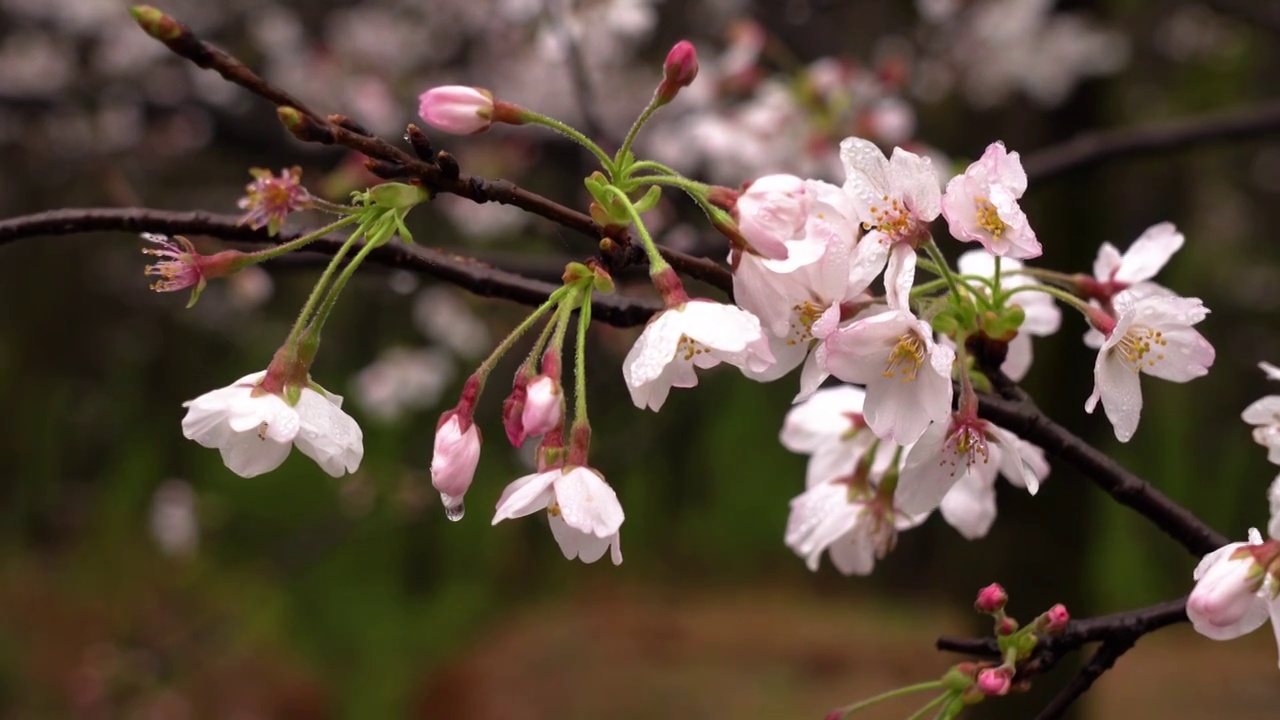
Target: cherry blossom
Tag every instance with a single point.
(269, 199)
(799, 305)
(583, 510)
(454, 457)
(1264, 414)
(543, 406)
(1234, 594)
(966, 445)
(970, 505)
(771, 214)
(1151, 335)
(906, 373)
(254, 430)
(896, 198)
(846, 518)
(1042, 316)
(693, 334)
(981, 205)
(829, 427)
(182, 267)
(1114, 273)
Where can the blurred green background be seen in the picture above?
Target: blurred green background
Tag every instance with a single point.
(141, 579)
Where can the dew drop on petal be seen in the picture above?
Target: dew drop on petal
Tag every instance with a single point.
(453, 509)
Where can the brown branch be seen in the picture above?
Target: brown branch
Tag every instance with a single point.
(1102, 660)
(1016, 412)
(439, 177)
(459, 270)
(1094, 147)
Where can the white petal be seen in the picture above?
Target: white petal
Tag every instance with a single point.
(328, 435)
(1149, 253)
(1121, 393)
(248, 455)
(822, 419)
(970, 506)
(587, 503)
(525, 496)
(899, 276)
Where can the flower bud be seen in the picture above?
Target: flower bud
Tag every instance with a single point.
(454, 460)
(156, 23)
(771, 211)
(457, 109)
(995, 681)
(1056, 619)
(678, 71)
(543, 409)
(1224, 603)
(398, 196)
(1006, 626)
(991, 599)
(513, 408)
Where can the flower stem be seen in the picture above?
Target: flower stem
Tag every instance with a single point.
(849, 710)
(553, 300)
(316, 324)
(335, 208)
(1058, 293)
(656, 263)
(942, 268)
(580, 361)
(574, 135)
(277, 251)
(317, 293)
(917, 715)
(647, 113)
(650, 165)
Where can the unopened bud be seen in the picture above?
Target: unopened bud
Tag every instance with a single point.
(303, 127)
(457, 109)
(1056, 619)
(398, 196)
(1006, 626)
(678, 71)
(156, 23)
(543, 406)
(995, 681)
(448, 165)
(420, 142)
(991, 599)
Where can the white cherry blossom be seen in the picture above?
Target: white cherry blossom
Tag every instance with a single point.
(771, 215)
(582, 509)
(906, 373)
(963, 445)
(694, 334)
(1117, 272)
(1233, 595)
(1152, 335)
(254, 430)
(1264, 414)
(970, 505)
(896, 198)
(981, 205)
(1042, 315)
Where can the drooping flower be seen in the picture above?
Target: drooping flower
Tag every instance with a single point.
(455, 455)
(183, 267)
(829, 427)
(981, 205)
(964, 445)
(269, 199)
(1234, 594)
(543, 406)
(692, 334)
(970, 505)
(1042, 316)
(457, 109)
(906, 373)
(896, 198)
(800, 303)
(847, 518)
(254, 429)
(1150, 335)
(583, 510)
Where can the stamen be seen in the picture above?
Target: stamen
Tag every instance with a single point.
(806, 314)
(988, 218)
(906, 357)
(690, 347)
(1141, 347)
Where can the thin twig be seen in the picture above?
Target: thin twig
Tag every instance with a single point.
(187, 45)
(459, 270)
(1103, 659)
(1094, 147)
(1016, 412)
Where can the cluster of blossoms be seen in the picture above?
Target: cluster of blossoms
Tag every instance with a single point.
(1238, 585)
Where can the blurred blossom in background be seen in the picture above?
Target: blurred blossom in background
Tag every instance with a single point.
(130, 593)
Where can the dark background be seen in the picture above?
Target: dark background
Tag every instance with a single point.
(308, 597)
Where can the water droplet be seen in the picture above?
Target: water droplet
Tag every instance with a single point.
(453, 509)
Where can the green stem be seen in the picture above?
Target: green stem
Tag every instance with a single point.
(997, 276)
(1058, 293)
(849, 710)
(331, 299)
(538, 345)
(553, 300)
(917, 715)
(317, 293)
(694, 188)
(647, 113)
(942, 267)
(656, 262)
(650, 165)
(277, 251)
(580, 360)
(574, 135)
(335, 208)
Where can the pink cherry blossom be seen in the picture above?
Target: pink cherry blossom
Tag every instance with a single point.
(1231, 597)
(896, 198)
(995, 681)
(694, 334)
(771, 214)
(906, 373)
(543, 406)
(991, 599)
(829, 427)
(1152, 335)
(582, 509)
(1114, 273)
(1264, 414)
(981, 205)
(269, 199)
(970, 505)
(457, 109)
(454, 458)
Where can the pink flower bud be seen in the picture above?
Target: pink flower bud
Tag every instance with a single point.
(995, 681)
(453, 463)
(1006, 626)
(1056, 619)
(457, 109)
(772, 211)
(678, 71)
(1225, 602)
(991, 599)
(513, 409)
(542, 407)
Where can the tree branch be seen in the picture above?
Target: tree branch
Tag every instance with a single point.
(1103, 659)
(1094, 147)
(429, 172)
(1016, 412)
(459, 270)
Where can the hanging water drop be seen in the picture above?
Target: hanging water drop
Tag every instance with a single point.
(453, 509)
